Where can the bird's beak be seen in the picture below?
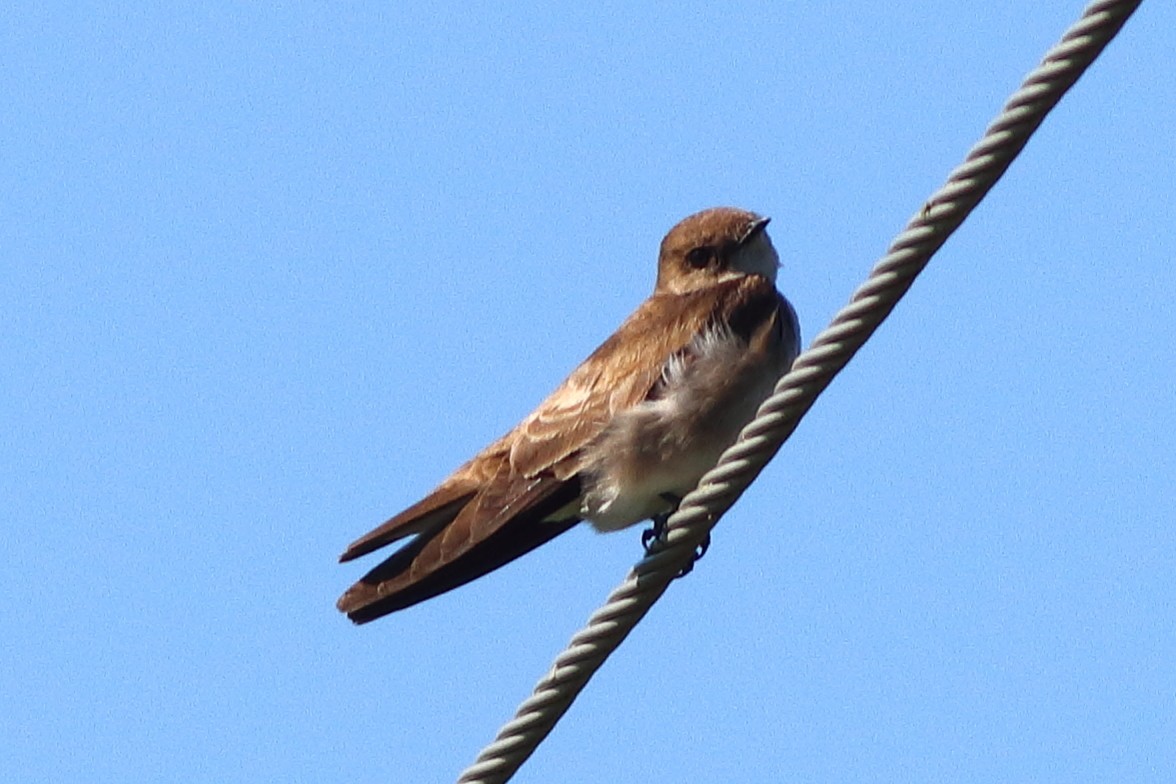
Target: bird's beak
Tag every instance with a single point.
(755, 230)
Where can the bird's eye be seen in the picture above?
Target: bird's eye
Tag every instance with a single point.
(699, 257)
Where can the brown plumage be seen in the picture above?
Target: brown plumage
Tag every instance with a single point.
(639, 421)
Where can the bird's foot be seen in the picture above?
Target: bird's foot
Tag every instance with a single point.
(699, 551)
(657, 531)
(654, 532)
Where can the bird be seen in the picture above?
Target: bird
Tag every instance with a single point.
(628, 433)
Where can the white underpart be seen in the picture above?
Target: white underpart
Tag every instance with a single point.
(662, 447)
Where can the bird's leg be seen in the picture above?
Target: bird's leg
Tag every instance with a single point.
(658, 529)
(657, 532)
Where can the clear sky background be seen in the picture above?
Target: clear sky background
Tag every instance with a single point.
(270, 273)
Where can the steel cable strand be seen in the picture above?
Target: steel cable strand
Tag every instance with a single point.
(796, 392)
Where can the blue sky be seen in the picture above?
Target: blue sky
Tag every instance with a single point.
(271, 273)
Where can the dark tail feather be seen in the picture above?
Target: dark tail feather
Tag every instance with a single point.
(391, 585)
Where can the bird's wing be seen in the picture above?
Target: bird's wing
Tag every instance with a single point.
(520, 491)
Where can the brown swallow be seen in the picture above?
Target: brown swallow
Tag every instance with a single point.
(629, 431)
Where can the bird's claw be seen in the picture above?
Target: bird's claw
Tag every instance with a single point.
(699, 551)
(657, 531)
(654, 533)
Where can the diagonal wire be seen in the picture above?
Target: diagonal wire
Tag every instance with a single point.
(796, 392)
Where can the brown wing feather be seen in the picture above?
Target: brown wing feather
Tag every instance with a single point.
(483, 537)
(437, 508)
(621, 373)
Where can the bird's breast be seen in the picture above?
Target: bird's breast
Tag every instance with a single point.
(661, 447)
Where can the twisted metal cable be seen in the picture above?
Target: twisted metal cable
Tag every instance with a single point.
(796, 392)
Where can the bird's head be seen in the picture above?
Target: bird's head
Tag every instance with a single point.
(712, 245)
